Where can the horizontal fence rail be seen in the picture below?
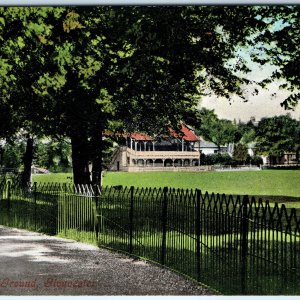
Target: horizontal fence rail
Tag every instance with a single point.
(237, 245)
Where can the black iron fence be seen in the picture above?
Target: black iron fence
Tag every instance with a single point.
(233, 244)
(55, 209)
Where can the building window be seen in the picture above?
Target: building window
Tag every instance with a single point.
(128, 160)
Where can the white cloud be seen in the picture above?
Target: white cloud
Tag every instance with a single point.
(262, 105)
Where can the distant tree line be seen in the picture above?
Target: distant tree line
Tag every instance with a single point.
(224, 159)
(272, 136)
(52, 155)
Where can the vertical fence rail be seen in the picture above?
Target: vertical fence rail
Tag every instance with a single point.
(96, 205)
(35, 208)
(9, 203)
(65, 207)
(198, 234)
(244, 244)
(164, 225)
(131, 220)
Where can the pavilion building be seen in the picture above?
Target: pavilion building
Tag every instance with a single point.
(141, 152)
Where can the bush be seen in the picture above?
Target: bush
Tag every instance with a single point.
(255, 160)
(240, 153)
(60, 169)
(12, 156)
(217, 159)
(226, 160)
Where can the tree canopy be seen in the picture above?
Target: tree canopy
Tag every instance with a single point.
(218, 131)
(240, 153)
(277, 135)
(76, 71)
(278, 45)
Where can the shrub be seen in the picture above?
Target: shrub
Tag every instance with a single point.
(216, 159)
(255, 160)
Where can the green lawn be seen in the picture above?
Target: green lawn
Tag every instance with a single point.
(53, 177)
(266, 182)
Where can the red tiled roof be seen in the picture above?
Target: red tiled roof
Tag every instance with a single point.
(186, 134)
(136, 136)
(189, 135)
(139, 136)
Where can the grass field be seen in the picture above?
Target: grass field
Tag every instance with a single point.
(266, 182)
(53, 177)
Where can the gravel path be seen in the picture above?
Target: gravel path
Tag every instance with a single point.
(36, 264)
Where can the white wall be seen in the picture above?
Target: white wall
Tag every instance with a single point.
(207, 151)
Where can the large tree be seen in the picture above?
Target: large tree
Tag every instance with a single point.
(52, 65)
(218, 131)
(277, 135)
(240, 153)
(79, 71)
(20, 31)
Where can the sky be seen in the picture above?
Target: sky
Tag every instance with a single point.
(258, 106)
(264, 104)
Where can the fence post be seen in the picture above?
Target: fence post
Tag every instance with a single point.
(244, 243)
(34, 200)
(8, 201)
(8, 195)
(198, 233)
(96, 221)
(65, 208)
(131, 220)
(164, 225)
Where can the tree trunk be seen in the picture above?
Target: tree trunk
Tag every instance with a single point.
(28, 157)
(97, 157)
(80, 159)
(1, 156)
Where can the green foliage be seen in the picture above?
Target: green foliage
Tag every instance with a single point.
(277, 135)
(218, 131)
(81, 69)
(240, 153)
(223, 132)
(279, 42)
(206, 119)
(216, 159)
(227, 160)
(54, 156)
(254, 160)
(152, 67)
(108, 150)
(248, 136)
(12, 155)
(246, 132)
